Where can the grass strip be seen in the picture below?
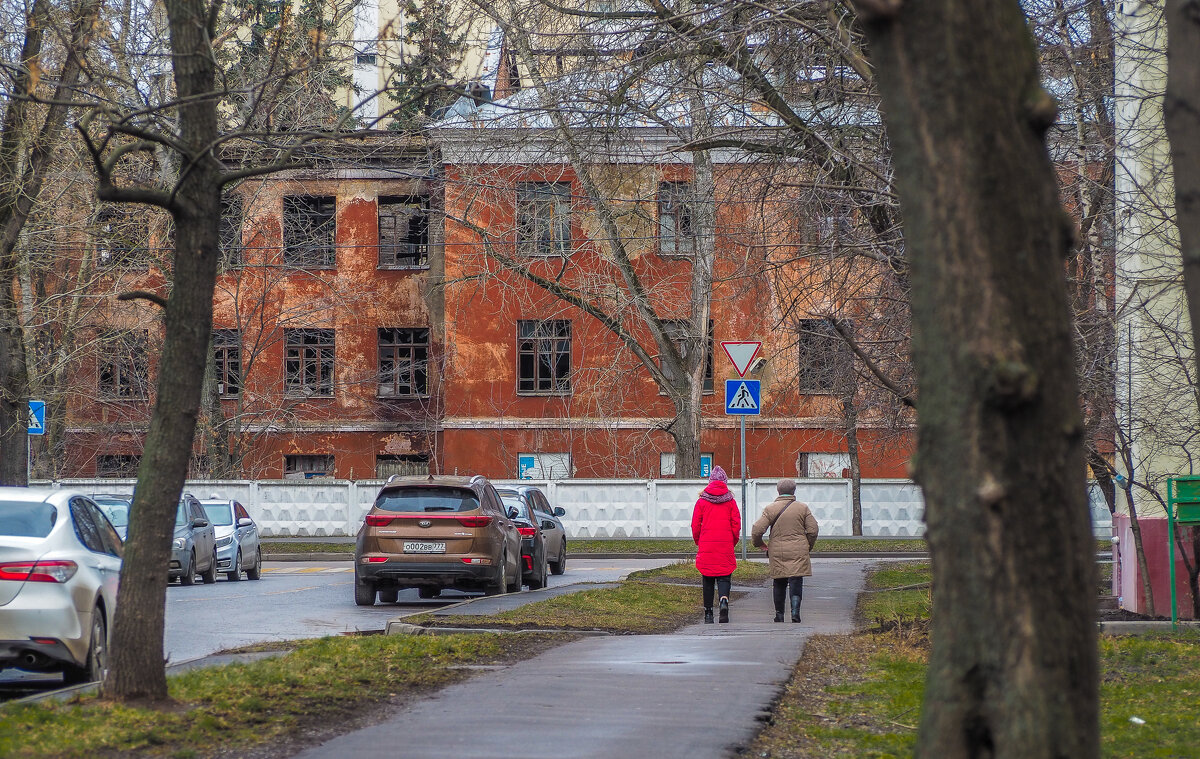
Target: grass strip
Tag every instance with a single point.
(631, 608)
(860, 695)
(747, 573)
(323, 687)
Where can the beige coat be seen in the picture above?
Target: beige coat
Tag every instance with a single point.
(792, 536)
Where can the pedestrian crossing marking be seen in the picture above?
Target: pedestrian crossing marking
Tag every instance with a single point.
(742, 398)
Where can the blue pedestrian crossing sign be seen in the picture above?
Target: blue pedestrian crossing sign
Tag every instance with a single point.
(742, 396)
(37, 418)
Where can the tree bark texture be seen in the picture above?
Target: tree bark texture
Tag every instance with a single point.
(1181, 116)
(137, 669)
(1000, 455)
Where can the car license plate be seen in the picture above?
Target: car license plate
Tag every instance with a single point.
(423, 547)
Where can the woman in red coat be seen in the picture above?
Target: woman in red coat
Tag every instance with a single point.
(716, 526)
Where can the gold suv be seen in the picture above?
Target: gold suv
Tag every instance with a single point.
(432, 533)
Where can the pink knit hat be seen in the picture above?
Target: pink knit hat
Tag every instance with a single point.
(718, 475)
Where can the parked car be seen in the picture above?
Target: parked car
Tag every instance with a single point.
(237, 538)
(60, 562)
(433, 533)
(534, 568)
(194, 548)
(116, 508)
(554, 535)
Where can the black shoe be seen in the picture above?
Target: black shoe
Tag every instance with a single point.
(708, 618)
(778, 616)
(723, 616)
(795, 608)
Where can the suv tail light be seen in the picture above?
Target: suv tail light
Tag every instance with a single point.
(376, 520)
(528, 532)
(480, 521)
(38, 571)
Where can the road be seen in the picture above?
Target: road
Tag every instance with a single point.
(294, 600)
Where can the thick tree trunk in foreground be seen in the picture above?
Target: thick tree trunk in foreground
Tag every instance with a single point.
(1181, 115)
(1013, 670)
(137, 662)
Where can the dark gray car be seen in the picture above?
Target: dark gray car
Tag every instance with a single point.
(554, 536)
(194, 548)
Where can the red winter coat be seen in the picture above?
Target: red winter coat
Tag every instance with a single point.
(716, 528)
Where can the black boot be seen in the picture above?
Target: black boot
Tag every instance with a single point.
(778, 616)
(723, 615)
(795, 608)
(708, 618)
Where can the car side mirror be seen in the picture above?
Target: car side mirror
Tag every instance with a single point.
(512, 513)
(559, 511)
(198, 522)
(245, 522)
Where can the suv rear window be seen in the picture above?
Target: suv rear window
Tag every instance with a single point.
(22, 519)
(427, 499)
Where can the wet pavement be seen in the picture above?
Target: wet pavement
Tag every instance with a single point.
(696, 694)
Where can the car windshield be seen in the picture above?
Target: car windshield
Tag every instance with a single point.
(515, 502)
(116, 511)
(219, 514)
(181, 517)
(427, 499)
(22, 519)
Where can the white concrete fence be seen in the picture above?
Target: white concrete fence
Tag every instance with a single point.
(595, 508)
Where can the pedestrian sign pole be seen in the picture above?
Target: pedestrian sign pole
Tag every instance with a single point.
(36, 426)
(743, 397)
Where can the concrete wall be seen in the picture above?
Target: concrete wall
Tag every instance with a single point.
(595, 508)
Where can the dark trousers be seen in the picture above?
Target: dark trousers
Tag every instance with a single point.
(780, 587)
(722, 585)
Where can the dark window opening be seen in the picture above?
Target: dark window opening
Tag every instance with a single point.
(227, 357)
(825, 359)
(305, 467)
(124, 365)
(544, 218)
(403, 362)
(308, 363)
(308, 231)
(404, 232)
(232, 217)
(401, 466)
(544, 356)
(122, 239)
(675, 236)
(117, 465)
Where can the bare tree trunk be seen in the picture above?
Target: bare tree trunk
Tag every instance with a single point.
(137, 669)
(1013, 668)
(850, 415)
(1181, 116)
(19, 188)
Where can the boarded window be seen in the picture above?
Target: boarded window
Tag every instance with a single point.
(307, 466)
(401, 466)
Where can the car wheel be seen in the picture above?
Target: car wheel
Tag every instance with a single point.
(496, 587)
(255, 572)
(560, 565)
(189, 571)
(236, 574)
(96, 665)
(425, 592)
(538, 581)
(388, 596)
(209, 576)
(364, 592)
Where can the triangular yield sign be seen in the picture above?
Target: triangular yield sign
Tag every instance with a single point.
(741, 354)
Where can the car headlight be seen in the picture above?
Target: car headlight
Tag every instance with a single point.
(222, 542)
(179, 543)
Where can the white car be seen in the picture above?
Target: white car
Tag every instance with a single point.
(60, 562)
(237, 538)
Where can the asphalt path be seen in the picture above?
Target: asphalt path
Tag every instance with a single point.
(296, 600)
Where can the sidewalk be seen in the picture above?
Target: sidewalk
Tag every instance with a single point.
(694, 694)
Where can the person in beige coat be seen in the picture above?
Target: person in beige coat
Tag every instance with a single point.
(793, 531)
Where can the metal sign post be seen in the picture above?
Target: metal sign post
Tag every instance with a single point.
(742, 398)
(36, 425)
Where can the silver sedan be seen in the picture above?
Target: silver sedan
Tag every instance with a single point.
(60, 562)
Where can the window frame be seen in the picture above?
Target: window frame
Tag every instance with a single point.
(309, 458)
(416, 367)
(674, 202)
(538, 344)
(309, 244)
(132, 358)
(543, 208)
(321, 353)
(225, 343)
(419, 245)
